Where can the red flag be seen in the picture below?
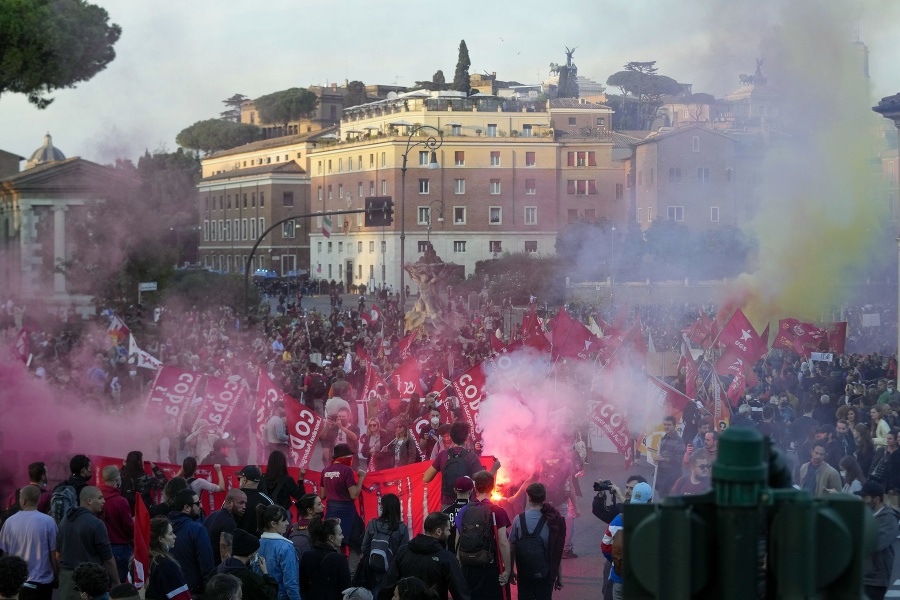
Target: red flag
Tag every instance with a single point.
(117, 330)
(533, 333)
(605, 327)
(837, 337)
(664, 395)
(721, 409)
(21, 345)
(470, 390)
(700, 332)
(406, 377)
(743, 347)
(496, 343)
(373, 380)
(691, 372)
(303, 428)
(442, 385)
(800, 337)
(612, 422)
(267, 395)
(141, 569)
(221, 398)
(737, 387)
(172, 391)
(406, 344)
(570, 338)
(611, 345)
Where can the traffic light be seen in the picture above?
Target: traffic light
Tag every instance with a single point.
(379, 211)
(751, 531)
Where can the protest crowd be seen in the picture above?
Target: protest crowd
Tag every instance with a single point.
(375, 404)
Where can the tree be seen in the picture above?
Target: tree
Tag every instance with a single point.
(285, 106)
(215, 135)
(461, 76)
(639, 80)
(697, 102)
(47, 46)
(356, 94)
(232, 110)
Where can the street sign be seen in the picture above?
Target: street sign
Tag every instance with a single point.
(149, 286)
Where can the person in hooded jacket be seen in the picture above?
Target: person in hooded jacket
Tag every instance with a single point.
(426, 558)
(879, 564)
(244, 553)
(278, 551)
(324, 570)
(192, 549)
(308, 507)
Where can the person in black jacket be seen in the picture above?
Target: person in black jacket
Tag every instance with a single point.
(428, 560)
(280, 485)
(324, 571)
(245, 550)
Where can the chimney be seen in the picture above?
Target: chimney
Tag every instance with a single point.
(494, 74)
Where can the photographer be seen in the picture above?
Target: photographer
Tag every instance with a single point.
(607, 512)
(339, 429)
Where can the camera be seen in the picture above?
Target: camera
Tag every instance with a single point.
(603, 486)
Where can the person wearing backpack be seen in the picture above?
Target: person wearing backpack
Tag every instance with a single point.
(65, 495)
(453, 463)
(426, 558)
(315, 389)
(536, 542)
(384, 536)
(482, 530)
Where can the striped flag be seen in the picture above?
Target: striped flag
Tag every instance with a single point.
(326, 226)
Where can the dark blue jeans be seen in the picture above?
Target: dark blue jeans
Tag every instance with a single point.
(122, 553)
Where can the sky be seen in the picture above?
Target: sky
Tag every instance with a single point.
(177, 61)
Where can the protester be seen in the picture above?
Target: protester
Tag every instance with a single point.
(308, 507)
(278, 551)
(324, 571)
(249, 479)
(641, 494)
(91, 581)
(453, 463)
(244, 562)
(192, 548)
(225, 520)
(281, 486)
(338, 485)
(482, 540)
(31, 535)
(880, 563)
(383, 537)
(82, 538)
(698, 481)
(116, 516)
(13, 575)
(536, 541)
(166, 581)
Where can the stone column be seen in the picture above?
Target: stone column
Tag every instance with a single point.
(59, 248)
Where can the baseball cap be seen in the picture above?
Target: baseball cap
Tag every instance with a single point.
(251, 472)
(871, 489)
(641, 494)
(463, 484)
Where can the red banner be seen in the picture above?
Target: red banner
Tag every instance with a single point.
(373, 380)
(219, 401)
(612, 422)
(800, 337)
(266, 396)
(406, 344)
(837, 336)
(303, 427)
(141, 569)
(470, 390)
(172, 392)
(570, 338)
(743, 347)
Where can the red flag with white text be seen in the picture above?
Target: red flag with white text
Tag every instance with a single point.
(742, 347)
(219, 401)
(267, 394)
(303, 429)
(470, 391)
(570, 338)
(406, 344)
(406, 377)
(611, 422)
(171, 393)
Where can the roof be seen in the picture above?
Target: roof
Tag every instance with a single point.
(667, 134)
(576, 103)
(71, 174)
(45, 154)
(11, 154)
(278, 142)
(620, 140)
(287, 168)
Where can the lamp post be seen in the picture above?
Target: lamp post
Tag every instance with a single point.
(612, 256)
(431, 143)
(440, 217)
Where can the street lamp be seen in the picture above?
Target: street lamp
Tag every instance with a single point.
(440, 216)
(612, 256)
(431, 143)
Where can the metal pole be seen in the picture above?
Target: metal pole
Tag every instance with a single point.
(403, 228)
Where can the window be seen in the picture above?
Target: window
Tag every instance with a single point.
(262, 199)
(340, 165)
(253, 229)
(262, 225)
(359, 189)
(459, 247)
(329, 165)
(580, 159)
(714, 214)
(288, 199)
(529, 159)
(340, 247)
(371, 161)
(459, 158)
(674, 174)
(581, 187)
(423, 186)
(422, 247)
(350, 163)
(527, 131)
(330, 247)
(245, 200)
(205, 231)
(371, 247)
(459, 215)
(494, 215)
(236, 228)
(530, 187)
(495, 247)
(229, 200)
(572, 215)
(601, 121)
(675, 213)
(590, 215)
(319, 168)
(359, 247)
(531, 246)
(620, 191)
(456, 130)
(340, 190)
(384, 187)
(383, 247)
(320, 192)
(423, 158)
(329, 272)
(531, 215)
(459, 186)
(287, 229)
(330, 195)
(703, 174)
(695, 143)
(495, 187)
(372, 188)
(223, 225)
(687, 114)
(640, 215)
(243, 229)
(253, 200)
(572, 122)
(492, 130)
(319, 247)
(495, 158)
(424, 215)
(384, 159)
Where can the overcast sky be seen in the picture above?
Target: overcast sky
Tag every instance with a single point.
(176, 61)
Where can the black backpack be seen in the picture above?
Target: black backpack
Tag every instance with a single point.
(531, 554)
(317, 389)
(62, 501)
(454, 468)
(381, 552)
(476, 536)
